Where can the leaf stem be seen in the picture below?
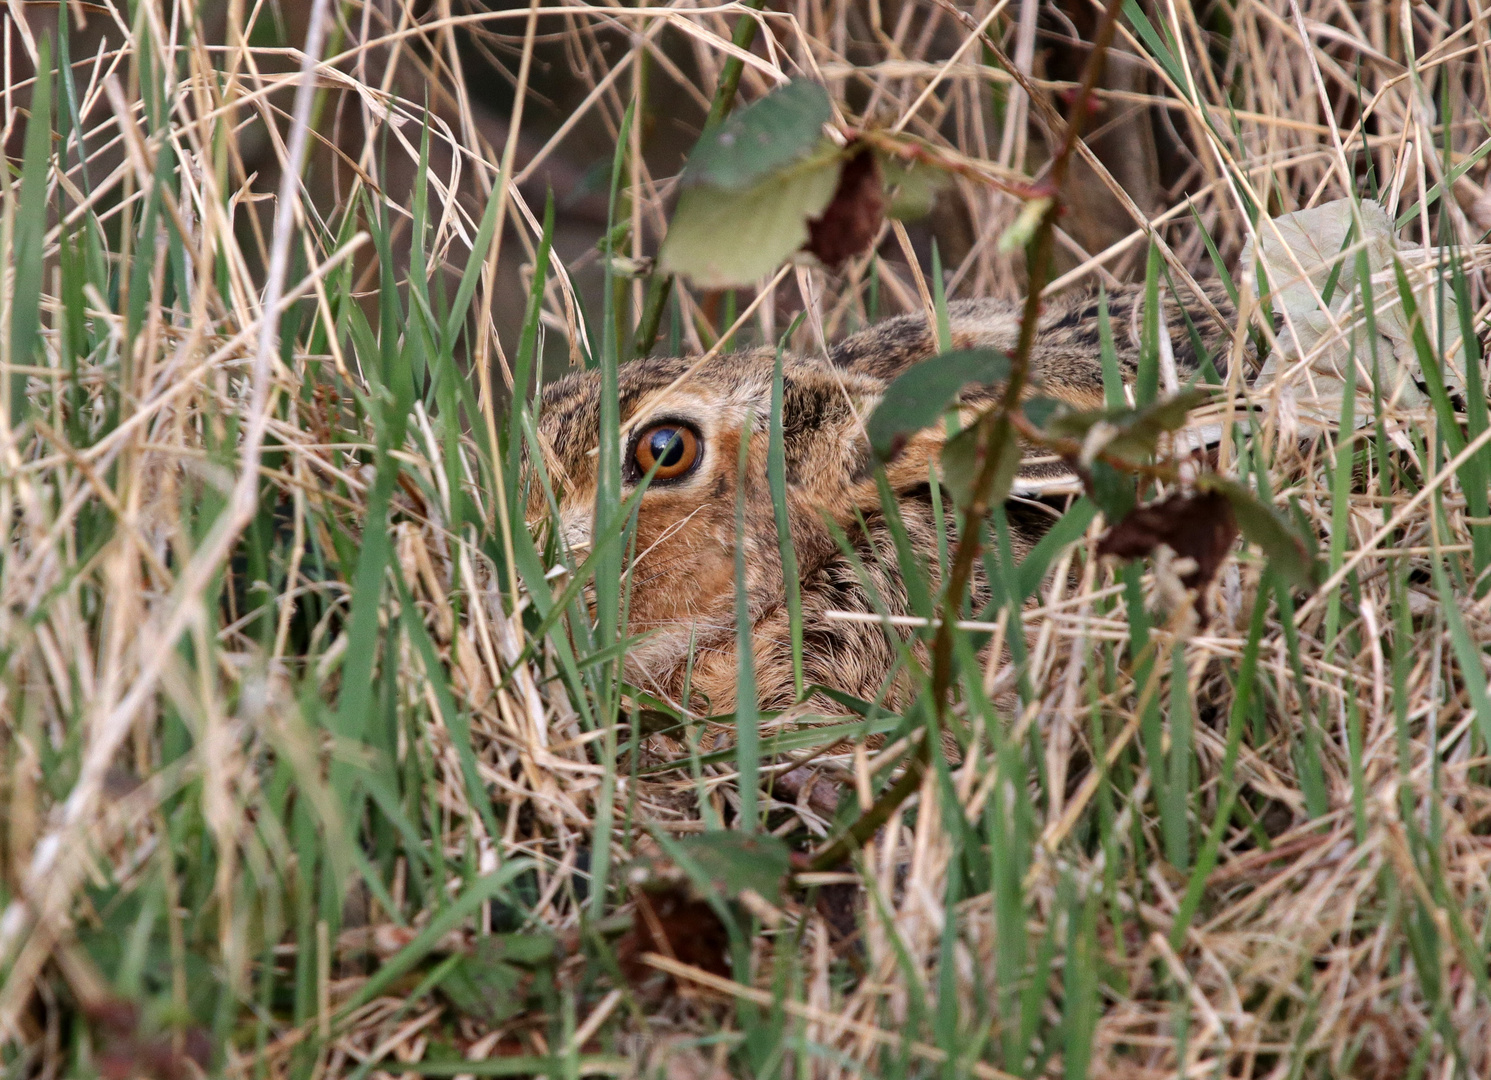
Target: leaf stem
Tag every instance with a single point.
(659, 288)
(660, 285)
(724, 94)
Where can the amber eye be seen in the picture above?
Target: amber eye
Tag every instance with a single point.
(673, 448)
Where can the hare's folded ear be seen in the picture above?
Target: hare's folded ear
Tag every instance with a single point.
(828, 456)
(823, 439)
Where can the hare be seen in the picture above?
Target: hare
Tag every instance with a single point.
(687, 420)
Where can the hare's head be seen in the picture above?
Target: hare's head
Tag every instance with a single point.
(685, 422)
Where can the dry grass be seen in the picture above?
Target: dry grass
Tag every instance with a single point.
(268, 625)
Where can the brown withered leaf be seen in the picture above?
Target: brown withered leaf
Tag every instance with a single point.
(672, 922)
(1200, 527)
(125, 1050)
(851, 220)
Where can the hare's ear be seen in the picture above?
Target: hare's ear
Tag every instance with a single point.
(827, 456)
(830, 464)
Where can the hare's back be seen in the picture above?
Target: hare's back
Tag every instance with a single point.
(1066, 352)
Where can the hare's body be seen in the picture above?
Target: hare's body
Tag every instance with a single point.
(682, 580)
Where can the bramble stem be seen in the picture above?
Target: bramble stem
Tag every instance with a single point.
(992, 435)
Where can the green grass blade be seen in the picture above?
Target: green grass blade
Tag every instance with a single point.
(608, 558)
(776, 475)
(747, 730)
(30, 232)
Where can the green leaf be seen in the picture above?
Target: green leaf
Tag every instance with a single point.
(1263, 525)
(29, 236)
(732, 862)
(911, 187)
(1131, 434)
(1112, 490)
(489, 983)
(920, 394)
(1067, 530)
(428, 939)
(1039, 410)
(961, 463)
(722, 238)
(762, 140)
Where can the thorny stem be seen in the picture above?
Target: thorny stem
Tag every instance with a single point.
(954, 164)
(992, 436)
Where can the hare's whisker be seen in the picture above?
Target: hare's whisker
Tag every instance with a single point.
(665, 535)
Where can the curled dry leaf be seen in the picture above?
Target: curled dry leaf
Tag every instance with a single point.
(1201, 527)
(670, 921)
(852, 219)
(677, 894)
(1284, 547)
(1329, 243)
(1198, 527)
(127, 1048)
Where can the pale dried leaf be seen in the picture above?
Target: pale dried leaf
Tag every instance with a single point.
(1299, 252)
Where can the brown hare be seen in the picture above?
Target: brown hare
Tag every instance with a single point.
(682, 580)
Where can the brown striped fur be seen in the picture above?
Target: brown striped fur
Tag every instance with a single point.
(682, 580)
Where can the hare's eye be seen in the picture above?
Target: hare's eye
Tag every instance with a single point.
(673, 448)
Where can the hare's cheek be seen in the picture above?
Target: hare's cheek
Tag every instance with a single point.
(680, 566)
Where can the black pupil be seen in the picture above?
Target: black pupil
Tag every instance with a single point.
(666, 445)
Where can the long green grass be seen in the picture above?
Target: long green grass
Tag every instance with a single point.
(344, 778)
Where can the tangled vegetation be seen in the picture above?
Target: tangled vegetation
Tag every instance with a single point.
(316, 755)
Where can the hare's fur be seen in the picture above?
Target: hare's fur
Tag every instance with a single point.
(682, 579)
